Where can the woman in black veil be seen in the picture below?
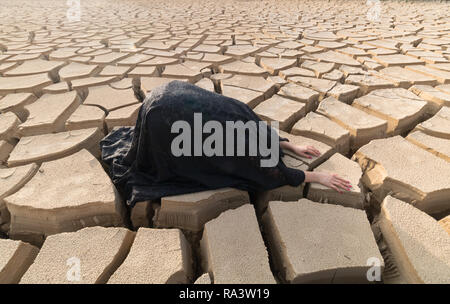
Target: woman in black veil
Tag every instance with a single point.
(144, 165)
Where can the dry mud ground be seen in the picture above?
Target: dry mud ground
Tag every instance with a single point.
(367, 83)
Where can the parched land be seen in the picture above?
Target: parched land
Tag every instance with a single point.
(366, 82)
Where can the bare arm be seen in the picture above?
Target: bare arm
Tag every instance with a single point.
(327, 179)
(303, 151)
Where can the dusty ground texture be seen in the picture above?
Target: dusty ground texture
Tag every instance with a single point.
(367, 79)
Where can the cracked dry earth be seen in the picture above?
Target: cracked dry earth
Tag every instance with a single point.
(372, 96)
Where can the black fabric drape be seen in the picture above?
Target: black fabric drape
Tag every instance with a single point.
(143, 167)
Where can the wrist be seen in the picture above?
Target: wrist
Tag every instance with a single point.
(312, 177)
(287, 146)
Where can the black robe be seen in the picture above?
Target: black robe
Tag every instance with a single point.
(142, 165)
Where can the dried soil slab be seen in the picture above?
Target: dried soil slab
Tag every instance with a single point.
(134, 60)
(368, 83)
(109, 58)
(84, 83)
(192, 211)
(143, 71)
(141, 214)
(125, 116)
(19, 57)
(37, 66)
(249, 97)
(419, 245)
(86, 197)
(9, 124)
(277, 81)
(409, 76)
(439, 75)
(112, 70)
(344, 92)
(56, 88)
(321, 85)
(5, 150)
(15, 258)
(170, 261)
(398, 82)
(348, 70)
(346, 169)
(49, 113)
(438, 125)
(215, 59)
(436, 98)
(241, 51)
(255, 83)
(206, 84)
(150, 83)
(383, 52)
(319, 68)
(7, 66)
(110, 99)
(370, 64)
(296, 71)
(362, 126)
(396, 166)
(206, 48)
(275, 65)
(284, 193)
(383, 44)
(352, 51)
(243, 68)
(233, 249)
(444, 88)
(126, 83)
(285, 111)
(159, 62)
(16, 103)
(99, 250)
(302, 94)
(193, 71)
(334, 75)
(11, 180)
(76, 70)
(309, 49)
(321, 128)
(41, 148)
(24, 84)
(325, 150)
(86, 117)
(335, 57)
(324, 36)
(397, 60)
(438, 146)
(402, 109)
(440, 66)
(320, 243)
(203, 279)
(292, 45)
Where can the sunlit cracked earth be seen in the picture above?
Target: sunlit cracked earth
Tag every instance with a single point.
(366, 82)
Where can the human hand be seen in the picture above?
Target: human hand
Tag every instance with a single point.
(307, 151)
(334, 181)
